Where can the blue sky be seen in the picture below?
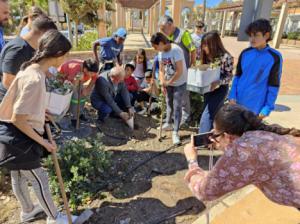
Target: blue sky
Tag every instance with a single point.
(209, 3)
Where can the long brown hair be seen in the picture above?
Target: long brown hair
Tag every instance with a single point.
(236, 120)
(142, 52)
(215, 46)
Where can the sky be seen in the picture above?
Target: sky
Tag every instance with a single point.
(209, 3)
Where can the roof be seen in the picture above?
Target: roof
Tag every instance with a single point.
(291, 3)
(234, 6)
(230, 5)
(137, 4)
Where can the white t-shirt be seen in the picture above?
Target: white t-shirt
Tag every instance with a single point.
(168, 61)
(197, 39)
(26, 95)
(139, 69)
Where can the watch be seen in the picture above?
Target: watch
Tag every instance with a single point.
(192, 161)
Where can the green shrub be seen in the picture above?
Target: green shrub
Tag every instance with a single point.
(293, 35)
(4, 180)
(196, 108)
(86, 40)
(83, 163)
(284, 35)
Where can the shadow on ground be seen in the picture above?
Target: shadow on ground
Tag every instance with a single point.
(126, 182)
(281, 108)
(145, 210)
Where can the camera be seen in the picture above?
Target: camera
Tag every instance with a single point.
(202, 139)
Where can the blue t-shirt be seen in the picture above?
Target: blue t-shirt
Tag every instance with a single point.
(109, 49)
(2, 41)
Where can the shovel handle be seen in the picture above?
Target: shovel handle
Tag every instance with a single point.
(59, 177)
(160, 125)
(50, 118)
(150, 100)
(78, 106)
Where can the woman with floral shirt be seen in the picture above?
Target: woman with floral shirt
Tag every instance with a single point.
(267, 156)
(213, 52)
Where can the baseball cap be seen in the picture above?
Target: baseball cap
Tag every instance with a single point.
(121, 32)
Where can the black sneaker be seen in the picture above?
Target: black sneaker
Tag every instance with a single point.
(82, 117)
(73, 123)
(138, 109)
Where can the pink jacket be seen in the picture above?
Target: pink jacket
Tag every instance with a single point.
(269, 161)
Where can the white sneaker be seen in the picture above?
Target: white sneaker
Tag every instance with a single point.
(167, 127)
(26, 217)
(175, 138)
(154, 106)
(61, 219)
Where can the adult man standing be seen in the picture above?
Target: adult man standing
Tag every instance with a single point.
(110, 49)
(4, 15)
(184, 40)
(20, 50)
(110, 95)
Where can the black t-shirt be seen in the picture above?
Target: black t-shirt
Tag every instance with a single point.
(14, 54)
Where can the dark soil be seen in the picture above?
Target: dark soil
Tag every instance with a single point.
(153, 193)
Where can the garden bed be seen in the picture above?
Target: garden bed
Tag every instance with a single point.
(154, 193)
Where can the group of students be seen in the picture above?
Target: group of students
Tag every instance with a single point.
(254, 153)
(255, 84)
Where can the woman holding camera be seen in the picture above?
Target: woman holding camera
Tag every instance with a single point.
(267, 156)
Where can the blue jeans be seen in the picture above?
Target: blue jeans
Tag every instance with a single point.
(174, 104)
(104, 110)
(133, 97)
(213, 101)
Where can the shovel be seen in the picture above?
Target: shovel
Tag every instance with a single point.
(87, 213)
(59, 177)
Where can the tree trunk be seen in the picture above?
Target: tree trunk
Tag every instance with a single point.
(69, 29)
(101, 26)
(204, 11)
(76, 33)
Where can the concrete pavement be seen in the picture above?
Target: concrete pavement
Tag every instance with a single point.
(136, 41)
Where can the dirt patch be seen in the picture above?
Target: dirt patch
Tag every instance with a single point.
(153, 193)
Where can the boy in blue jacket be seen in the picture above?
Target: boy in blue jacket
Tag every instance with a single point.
(257, 80)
